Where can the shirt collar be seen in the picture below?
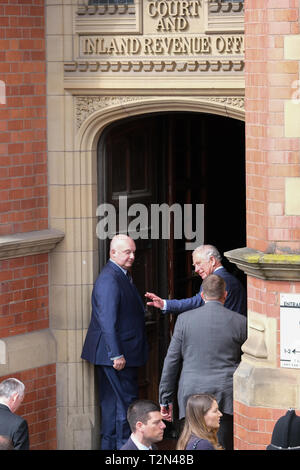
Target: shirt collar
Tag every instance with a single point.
(5, 404)
(122, 269)
(219, 267)
(138, 444)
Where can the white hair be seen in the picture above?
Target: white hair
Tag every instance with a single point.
(10, 386)
(206, 251)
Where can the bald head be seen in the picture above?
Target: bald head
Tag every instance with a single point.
(118, 241)
(122, 250)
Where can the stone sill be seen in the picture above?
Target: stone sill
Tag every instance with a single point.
(27, 351)
(29, 243)
(271, 267)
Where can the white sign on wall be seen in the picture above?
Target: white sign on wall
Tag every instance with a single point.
(290, 331)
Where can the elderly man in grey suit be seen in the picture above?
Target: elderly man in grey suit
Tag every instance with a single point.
(206, 346)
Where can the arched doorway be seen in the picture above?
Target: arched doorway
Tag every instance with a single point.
(174, 158)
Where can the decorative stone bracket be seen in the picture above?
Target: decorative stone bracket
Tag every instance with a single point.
(29, 243)
(271, 267)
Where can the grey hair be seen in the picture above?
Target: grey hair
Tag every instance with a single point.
(208, 250)
(10, 386)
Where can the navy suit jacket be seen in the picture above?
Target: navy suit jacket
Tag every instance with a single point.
(117, 324)
(14, 427)
(235, 300)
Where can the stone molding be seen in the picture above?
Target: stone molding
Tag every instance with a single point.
(270, 267)
(86, 105)
(214, 7)
(29, 243)
(108, 9)
(225, 7)
(256, 386)
(212, 65)
(27, 351)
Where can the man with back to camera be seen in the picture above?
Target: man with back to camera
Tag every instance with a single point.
(116, 341)
(13, 426)
(146, 424)
(206, 260)
(206, 349)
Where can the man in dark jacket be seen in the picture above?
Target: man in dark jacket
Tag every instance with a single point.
(11, 425)
(206, 350)
(116, 341)
(206, 261)
(146, 425)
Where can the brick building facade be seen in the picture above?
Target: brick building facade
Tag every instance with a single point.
(24, 204)
(52, 112)
(272, 159)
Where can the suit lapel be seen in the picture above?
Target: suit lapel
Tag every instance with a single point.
(129, 285)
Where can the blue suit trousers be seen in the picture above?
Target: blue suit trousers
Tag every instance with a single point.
(117, 390)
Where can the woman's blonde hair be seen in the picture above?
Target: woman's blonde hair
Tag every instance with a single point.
(196, 408)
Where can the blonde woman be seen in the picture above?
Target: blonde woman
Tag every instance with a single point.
(202, 421)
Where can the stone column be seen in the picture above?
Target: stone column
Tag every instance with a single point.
(263, 388)
(74, 264)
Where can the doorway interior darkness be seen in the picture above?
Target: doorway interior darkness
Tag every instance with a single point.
(171, 158)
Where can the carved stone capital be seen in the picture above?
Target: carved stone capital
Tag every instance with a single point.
(271, 267)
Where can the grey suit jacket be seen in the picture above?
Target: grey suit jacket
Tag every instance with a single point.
(206, 350)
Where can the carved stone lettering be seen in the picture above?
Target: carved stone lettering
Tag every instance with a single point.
(93, 46)
(149, 35)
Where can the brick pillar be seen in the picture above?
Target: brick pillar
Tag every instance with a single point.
(263, 389)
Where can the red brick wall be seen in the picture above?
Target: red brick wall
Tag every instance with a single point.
(39, 406)
(270, 156)
(24, 296)
(23, 160)
(254, 426)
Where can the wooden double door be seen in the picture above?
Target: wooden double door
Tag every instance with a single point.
(182, 158)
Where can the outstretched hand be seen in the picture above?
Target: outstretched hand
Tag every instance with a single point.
(155, 300)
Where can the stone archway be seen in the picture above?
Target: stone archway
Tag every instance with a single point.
(74, 265)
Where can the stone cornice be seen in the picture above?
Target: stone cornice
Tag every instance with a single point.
(217, 6)
(84, 9)
(271, 267)
(29, 243)
(211, 65)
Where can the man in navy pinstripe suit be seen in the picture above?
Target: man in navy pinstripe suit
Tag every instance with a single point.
(206, 261)
(116, 341)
